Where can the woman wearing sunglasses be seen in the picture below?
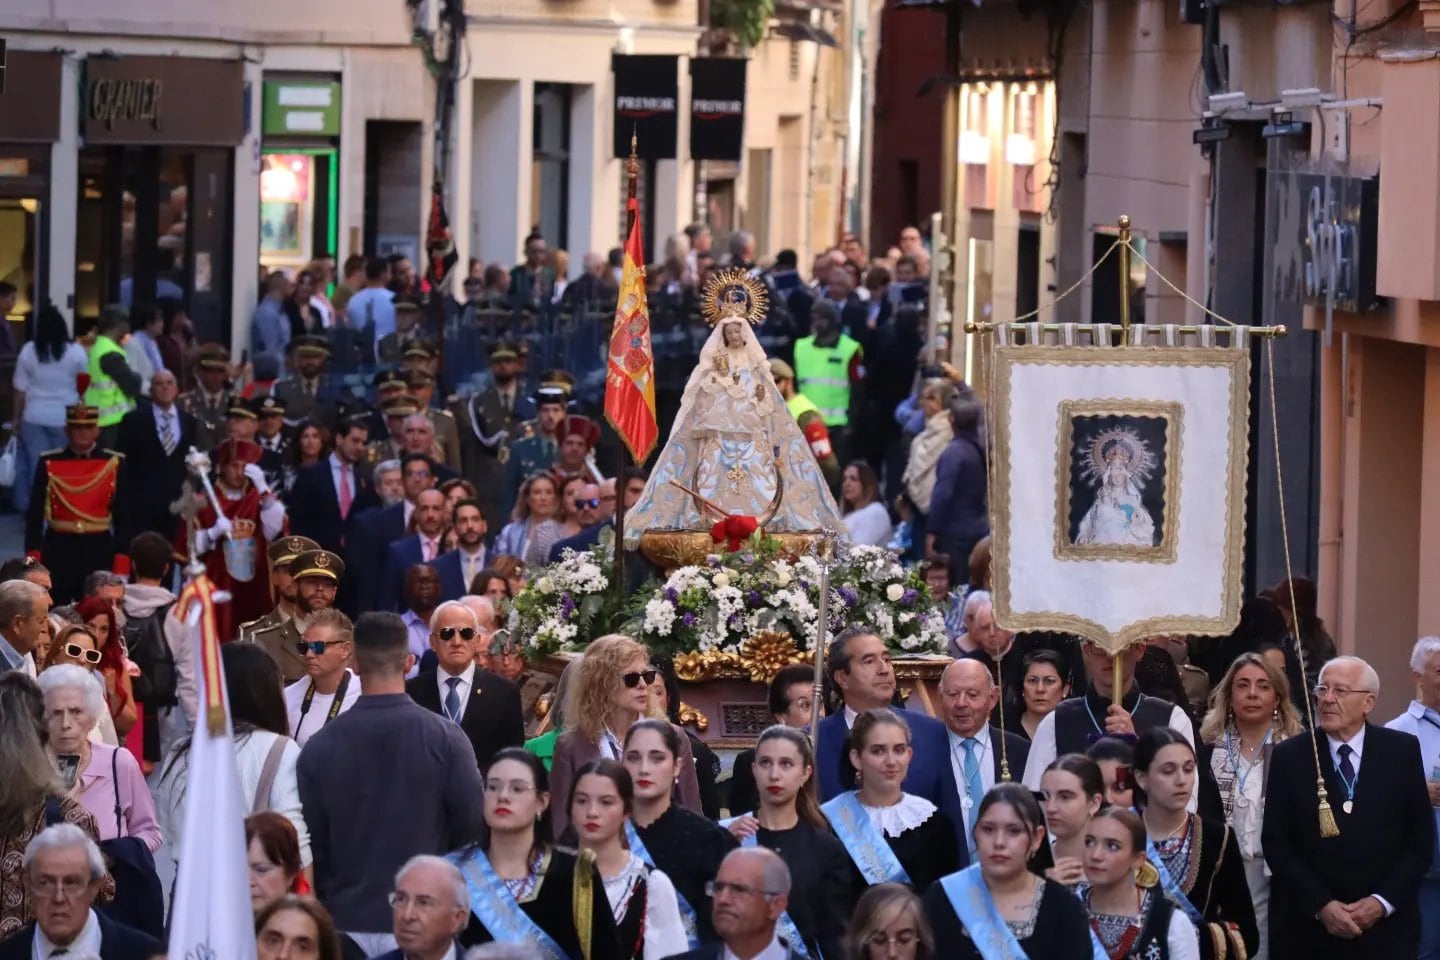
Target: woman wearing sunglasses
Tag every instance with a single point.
(75, 644)
(99, 616)
(611, 690)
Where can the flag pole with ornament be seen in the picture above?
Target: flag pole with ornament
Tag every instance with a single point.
(630, 377)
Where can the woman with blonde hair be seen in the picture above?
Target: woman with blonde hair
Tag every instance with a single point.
(537, 502)
(889, 924)
(609, 692)
(1251, 710)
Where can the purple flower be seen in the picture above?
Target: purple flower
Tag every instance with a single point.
(754, 599)
(732, 622)
(689, 619)
(671, 595)
(713, 560)
(910, 596)
(567, 605)
(849, 596)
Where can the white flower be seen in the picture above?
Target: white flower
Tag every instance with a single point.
(894, 592)
(659, 617)
(905, 618)
(722, 579)
(545, 585)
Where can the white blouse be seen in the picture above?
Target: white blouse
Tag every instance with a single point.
(1242, 793)
(895, 819)
(664, 930)
(870, 525)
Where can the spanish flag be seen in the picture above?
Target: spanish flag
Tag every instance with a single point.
(630, 380)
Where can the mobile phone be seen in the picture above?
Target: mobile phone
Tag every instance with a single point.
(69, 764)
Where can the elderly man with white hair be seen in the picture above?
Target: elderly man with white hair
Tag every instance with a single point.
(485, 706)
(430, 906)
(1422, 720)
(108, 780)
(1355, 895)
(63, 869)
(24, 607)
(749, 892)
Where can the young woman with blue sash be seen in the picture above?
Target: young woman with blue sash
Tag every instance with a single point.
(1198, 859)
(642, 899)
(890, 835)
(686, 846)
(1130, 916)
(789, 822)
(522, 889)
(996, 909)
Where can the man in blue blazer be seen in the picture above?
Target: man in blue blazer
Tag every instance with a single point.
(458, 567)
(423, 546)
(860, 665)
(430, 932)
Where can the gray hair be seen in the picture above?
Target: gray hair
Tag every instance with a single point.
(774, 875)
(17, 599)
(387, 466)
(974, 600)
(101, 578)
(504, 951)
(63, 836)
(740, 242)
(419, 418)
(452, 605)
(452, 875)
(1425, 648)
(68, 676)
(481, 606)
(943, 388)
(1368, 676)
(982, 669)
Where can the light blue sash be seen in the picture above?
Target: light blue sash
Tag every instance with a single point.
(1170, 886)
(495, 906)
(865, 844)
(687, 912)
(971, 902)
(785, 925)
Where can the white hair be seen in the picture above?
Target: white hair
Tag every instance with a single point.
(481, 606)
(452, 605)
(774, 874)
(973, 601)
(1425, 648)
(452, 873)
(419, 418)
(63, 836)
(17, 599)
(1369, 679)
(68, 676)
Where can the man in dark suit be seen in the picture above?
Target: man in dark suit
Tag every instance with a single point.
(485, 706)
(860, 665)
(155, 437)
(423, 546)
(752, 890)
(488, 422)
(328, 496)
(1355, 895)
(980, 755)
(459, 566)
(64, 856)
(428, 933)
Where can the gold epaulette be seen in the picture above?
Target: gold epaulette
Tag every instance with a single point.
(113, 453)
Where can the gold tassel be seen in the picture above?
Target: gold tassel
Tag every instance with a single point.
(1328, 826)
(582, 902)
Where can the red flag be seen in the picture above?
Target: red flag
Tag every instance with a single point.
(630, 379)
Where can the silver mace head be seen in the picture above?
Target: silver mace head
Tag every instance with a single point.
(198, 462)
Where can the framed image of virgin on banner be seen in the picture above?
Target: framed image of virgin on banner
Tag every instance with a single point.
(1118, 498)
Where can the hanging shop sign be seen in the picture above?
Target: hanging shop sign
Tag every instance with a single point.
(171, 100)
(30, 111)
(717, 108)
(1323, 238)
(647, 90)
(304, 108)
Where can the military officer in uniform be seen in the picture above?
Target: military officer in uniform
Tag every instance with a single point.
(389, 442)
(390, 350)
(282, 586)
(274, 438)
(421, 387)
(388, 385)
(211, 400)
(488, 423)
(317, 576)
(308, 393)
(539, 443)
(68, 525)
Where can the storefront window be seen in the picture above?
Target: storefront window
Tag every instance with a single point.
(286, 185)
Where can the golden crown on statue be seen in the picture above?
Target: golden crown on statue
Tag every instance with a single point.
(732, 294)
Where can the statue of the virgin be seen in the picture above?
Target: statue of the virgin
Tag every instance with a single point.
(735, 448)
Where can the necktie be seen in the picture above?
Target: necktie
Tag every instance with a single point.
(344, 490)
(1347, 769)
(427, 549)
(167, 432)
(452, 700)
(469, 562)
(971, 769)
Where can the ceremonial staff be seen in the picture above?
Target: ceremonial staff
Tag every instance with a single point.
(199, 465)
(825, 550)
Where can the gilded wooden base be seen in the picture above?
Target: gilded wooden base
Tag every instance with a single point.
(671, 549)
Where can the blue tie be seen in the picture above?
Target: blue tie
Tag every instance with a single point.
(971, 766)
(452, 700)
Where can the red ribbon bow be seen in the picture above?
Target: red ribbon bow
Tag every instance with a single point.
(734, 530)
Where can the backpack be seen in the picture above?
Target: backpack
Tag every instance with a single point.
(148, 649)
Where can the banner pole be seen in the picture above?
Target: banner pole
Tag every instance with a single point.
(632, 207)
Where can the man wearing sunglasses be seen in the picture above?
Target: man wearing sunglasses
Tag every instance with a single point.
(486, 707)
(317, 576)
(331, 687)
(281, 554)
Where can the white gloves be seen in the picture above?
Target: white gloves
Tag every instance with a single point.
(257, 477)
(222, 528)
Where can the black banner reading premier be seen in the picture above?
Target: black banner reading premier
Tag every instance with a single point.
(647, 90)
(717, 108)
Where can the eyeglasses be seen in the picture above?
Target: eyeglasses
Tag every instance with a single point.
(1046, 681)
(317, 647)
(68, 886)
(592, 503)
(881, 939)
(632, 680)
(76, 652)
(424, 904)
(448, 633)
(714, 888)
(514, 787)
(1322, 690)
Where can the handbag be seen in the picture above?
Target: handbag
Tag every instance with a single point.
(7, 462)
(139, 897)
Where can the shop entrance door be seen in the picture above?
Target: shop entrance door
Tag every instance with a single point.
(21, 253)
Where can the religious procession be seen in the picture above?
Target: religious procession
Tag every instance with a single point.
(960, 502)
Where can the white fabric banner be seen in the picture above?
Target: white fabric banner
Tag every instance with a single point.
(1119, 490)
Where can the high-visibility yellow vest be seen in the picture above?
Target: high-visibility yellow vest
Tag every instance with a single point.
(823, 375)
(799, 405)
(105, 394)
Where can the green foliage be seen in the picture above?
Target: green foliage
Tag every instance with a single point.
(747, 20)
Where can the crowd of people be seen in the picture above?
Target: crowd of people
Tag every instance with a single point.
(418, 790)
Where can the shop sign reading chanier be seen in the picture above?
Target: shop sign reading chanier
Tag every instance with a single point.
(131, 100)
(647, 89)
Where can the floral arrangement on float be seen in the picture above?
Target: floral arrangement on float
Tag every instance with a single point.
(746, 613)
